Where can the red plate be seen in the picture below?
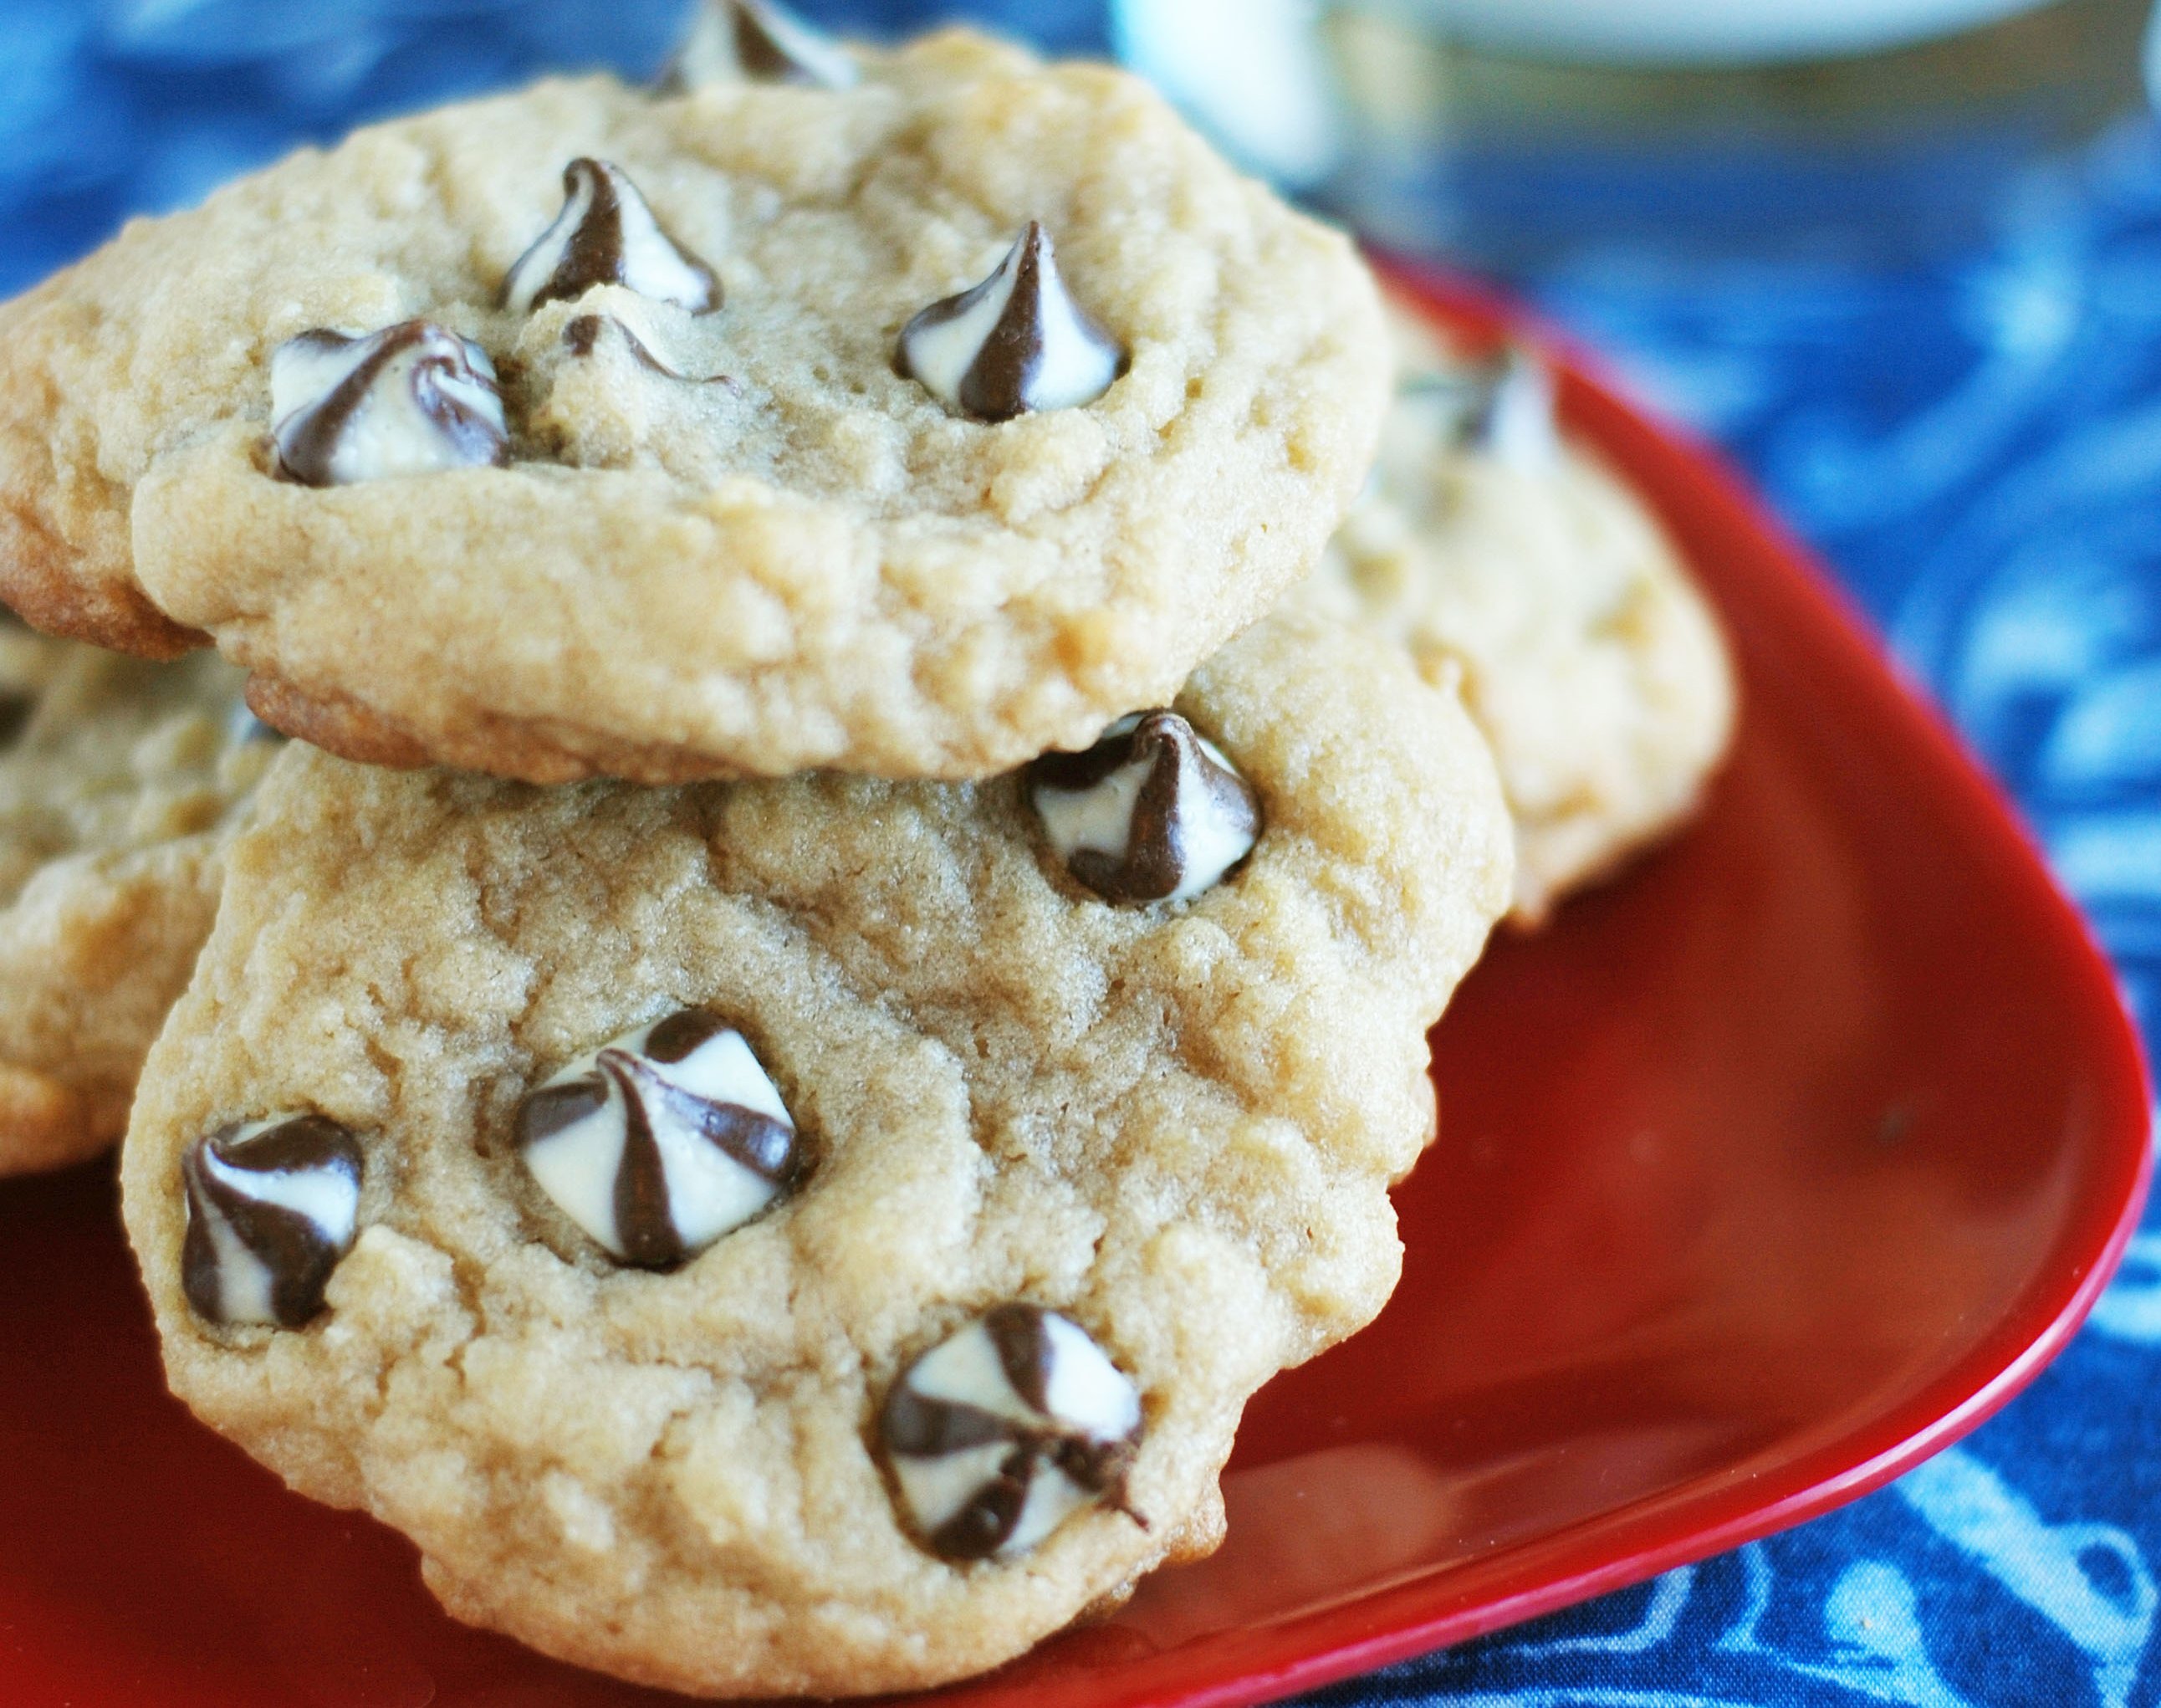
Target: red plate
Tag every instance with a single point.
(1766, 1171)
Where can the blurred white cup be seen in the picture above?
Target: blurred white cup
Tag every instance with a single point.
(1701, 31)
(1257, 74)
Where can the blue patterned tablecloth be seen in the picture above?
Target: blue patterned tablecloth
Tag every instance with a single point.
(1971, 436)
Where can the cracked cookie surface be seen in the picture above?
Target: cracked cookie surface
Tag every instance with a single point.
(120, 782)
(726, 536)
(1172, 1125)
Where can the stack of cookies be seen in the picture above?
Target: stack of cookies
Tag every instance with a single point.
(838, 970)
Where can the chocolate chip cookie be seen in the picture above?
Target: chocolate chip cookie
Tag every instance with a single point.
(120, 782)
(1511, 562)
(814, 1236)
(910, 414)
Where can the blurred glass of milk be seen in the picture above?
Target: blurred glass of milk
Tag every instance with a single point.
(1503, 130)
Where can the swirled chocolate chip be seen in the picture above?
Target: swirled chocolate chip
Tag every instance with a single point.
(661, 1141)
(1016, 342)
(19, 701)
(17, 706)
(1501, 406)
(273, 1205)
(411, 399)
(607, 235)
(1152, 812)
(584, 336)
(1000, 1434)
(755, 41)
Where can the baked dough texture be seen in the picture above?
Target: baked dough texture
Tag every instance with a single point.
(1177, 1125)
(1553, 601)
(118, 789)
(787, 557)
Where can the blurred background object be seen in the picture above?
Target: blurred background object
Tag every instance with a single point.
(1704, 32)
(1505, 130)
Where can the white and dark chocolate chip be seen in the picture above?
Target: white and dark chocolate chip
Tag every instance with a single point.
(272, 1205)
(823, 564)
(29, 661)
(121, 782)
(607, 234)
(1015, 343)
(999, 1434)
(593, 335)
(586, 334)
(755, 41)
(415, 398)
(412, 399)
(1085, 1176)
(1500, 405)
(1152, 812)
(661, 1141)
